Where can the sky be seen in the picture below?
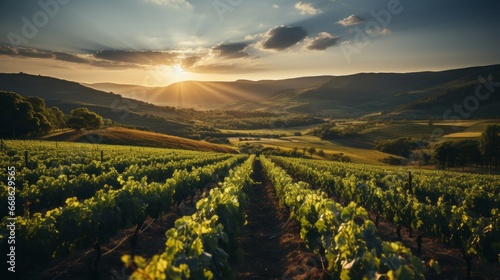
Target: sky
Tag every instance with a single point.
(159, 42)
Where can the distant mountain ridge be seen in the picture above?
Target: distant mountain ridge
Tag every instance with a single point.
(210, 94)
(386, 95)
(393, 94)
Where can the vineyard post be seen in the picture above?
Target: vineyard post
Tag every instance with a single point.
(102, 155)
(3, 150)
(26, 158)
(410, 190)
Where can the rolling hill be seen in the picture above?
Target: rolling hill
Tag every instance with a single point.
(373, 95)
(132, 137)
(69, 95)
(211, 94)
(394, 95)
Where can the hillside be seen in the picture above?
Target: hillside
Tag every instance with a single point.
(132, 137)
(374, 95)
(69, 95)
(397, 95)
(211, 94)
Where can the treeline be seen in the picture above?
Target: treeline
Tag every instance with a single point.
(235, 119)
(265, 122)
(461, 153)
(403, 146)
(331, 131)
(218, 114)
(29, 116)
(482, 152)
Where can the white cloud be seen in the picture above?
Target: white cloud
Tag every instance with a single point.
(351, 20)
(275, 6)
(306, 9)
(171, 3)
(379, 31)
(321, 42)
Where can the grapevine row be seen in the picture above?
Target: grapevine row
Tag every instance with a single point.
(200, 245)
(95, 220)
(456, 225)
(344, 235)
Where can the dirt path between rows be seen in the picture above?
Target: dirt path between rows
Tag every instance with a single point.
(271, 245)
(452, 264)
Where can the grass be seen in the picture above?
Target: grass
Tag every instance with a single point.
(463, 135)
(132, 137)
(288, 131)
(357, 155)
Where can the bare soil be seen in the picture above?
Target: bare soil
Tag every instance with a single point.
(450, 260)
(270, 241)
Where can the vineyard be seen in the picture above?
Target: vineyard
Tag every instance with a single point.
(66, 199)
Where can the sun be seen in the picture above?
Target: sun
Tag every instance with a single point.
(178, 69)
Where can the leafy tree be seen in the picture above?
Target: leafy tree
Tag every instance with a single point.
(57, 117)
(321, 153)
(489, 144)
(443, 154)
(84, 118)
(457, 153)
(25, 116)
(400, 147)
(311, 151)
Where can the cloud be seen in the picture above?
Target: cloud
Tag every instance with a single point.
(306, 9)
(224, 68)
(379, 31)
(235, 50)
(138, 57)
(216, 59)
(105, 59)
(171, 3)
(33, 53)
(321, 42)
(7, 51)
(282, 37)
(275, 6)
(351, 20)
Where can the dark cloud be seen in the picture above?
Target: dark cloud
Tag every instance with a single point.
(138, 57)
(7, 51)
(323, 41)
(62, 56)
(70, 58)
(235, 50)
(283, 37)
(33, 53)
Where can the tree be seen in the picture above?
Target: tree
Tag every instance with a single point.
(23, 116)
(489, 144)
(400, 147)
(84, 118)
(457, 153)
(321, 153)
(57, 117)
(304, 150)
(294, 152)
(444, 154)
(311, 151)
